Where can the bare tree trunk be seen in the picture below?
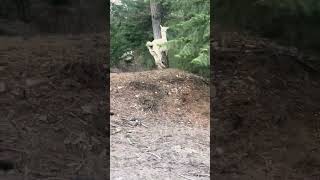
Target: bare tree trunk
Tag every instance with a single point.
(156, 18)
(156, 21)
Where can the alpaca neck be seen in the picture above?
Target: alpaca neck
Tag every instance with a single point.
(164, 35)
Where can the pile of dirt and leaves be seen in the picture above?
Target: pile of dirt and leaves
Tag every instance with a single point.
(53, 108)
(266, 111)
(159, 126)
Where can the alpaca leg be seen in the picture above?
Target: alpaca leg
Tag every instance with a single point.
(158, 62)
(159, 53)
(156, 58)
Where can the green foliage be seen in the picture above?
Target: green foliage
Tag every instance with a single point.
(130, 28)
(189, 34)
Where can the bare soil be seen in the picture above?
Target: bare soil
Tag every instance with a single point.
(160, 126)
(53, 115)
(52, 110)
(266, 111)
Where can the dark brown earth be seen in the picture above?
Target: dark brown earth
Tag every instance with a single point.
(53, 107)
(265, 113)
(53, 115)
(266, 122)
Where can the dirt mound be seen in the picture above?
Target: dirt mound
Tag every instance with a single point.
(161, 119)
(53, 119)
(169, 91)
(265, 112)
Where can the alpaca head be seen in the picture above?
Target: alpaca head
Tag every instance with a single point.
(164, 29)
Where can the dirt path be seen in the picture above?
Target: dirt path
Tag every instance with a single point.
(160, 126)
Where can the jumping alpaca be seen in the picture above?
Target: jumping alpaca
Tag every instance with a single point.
(156, 48)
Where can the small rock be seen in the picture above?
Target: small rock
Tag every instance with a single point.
(135, 122)
(2, 87)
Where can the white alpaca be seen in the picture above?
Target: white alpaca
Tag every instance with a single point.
(156, 48)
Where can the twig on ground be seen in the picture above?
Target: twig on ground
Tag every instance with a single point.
(79, 166)
(14, 123)
(117, 131)
(155, 155)
(13, 149)
(200, 175)
(39, 173)
(81, 120)
(184, 177)
(144, 125)
(130, 142)
(56, 178)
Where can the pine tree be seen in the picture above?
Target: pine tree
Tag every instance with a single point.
(188, 34)
(130, 28)
(189, 22)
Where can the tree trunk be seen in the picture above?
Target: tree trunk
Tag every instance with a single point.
(156, 18)
(156, 21)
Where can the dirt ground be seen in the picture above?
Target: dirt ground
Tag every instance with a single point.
(53, 116)
(266, 111)
(52, 110)
(160, 126)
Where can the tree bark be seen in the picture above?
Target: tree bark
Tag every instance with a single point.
(156, 18)
(155, 8)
